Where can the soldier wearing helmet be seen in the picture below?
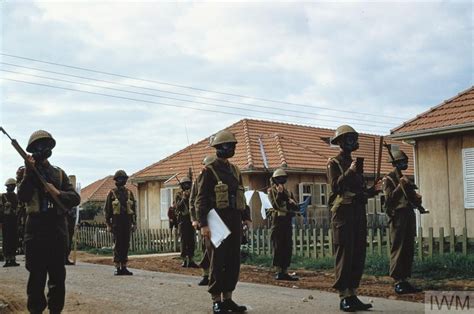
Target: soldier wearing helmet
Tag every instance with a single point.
(46, 234)
(8, 221)
(205, 263)
(220, 187)
(284, 208)
(121, 219)
(402, 222)
(186, 229)
(347, 201)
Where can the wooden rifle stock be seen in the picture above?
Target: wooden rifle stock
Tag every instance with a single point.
(43, 182)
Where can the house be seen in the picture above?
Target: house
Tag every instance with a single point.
(443, 141)
(94, 195)
(262, 147)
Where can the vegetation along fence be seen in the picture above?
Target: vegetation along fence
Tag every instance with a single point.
(307, 242)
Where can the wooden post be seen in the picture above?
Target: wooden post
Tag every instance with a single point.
(371, 240)
(420, 243)
(452, 240)
(464, 241)
(379, 242)
(252, 242)
(300, 234)
(315, 243)
(441, 241)
(264, 241)
(294, 241)
(321, 239)
(430, 242)
(308, 243)
(258, 241)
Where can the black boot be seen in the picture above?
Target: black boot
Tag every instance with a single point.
(14, 264)
(68, 262)
(231, 306)
(192, 264)
(405, 288)
(286, 276)
(218, 307)
(7, 264)
(361, 306)
(118, 272)
(184, 264)
(126, 272)
(204, 281)
(347, 305)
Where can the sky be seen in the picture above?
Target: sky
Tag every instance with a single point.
(121, 85)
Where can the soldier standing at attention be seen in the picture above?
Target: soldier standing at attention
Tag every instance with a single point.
(283, 211)
(402, 223)
(186, 230)
(205, 263)
(46, 228)
(120, 217)
(348, 221)
(220, 187)
(9, 223)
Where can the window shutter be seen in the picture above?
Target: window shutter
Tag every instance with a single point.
(165, 203)
(468, 174)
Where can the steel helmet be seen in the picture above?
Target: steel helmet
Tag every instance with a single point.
(40, 135)
(340, 131)
(398, 155)
(120, 173)
(10, 181)
(185, 180)
(208, 160)
(223, 136)
(279, 173)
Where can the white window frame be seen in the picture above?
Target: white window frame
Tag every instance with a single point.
(320, 192)
(468, 177)
(301, 194)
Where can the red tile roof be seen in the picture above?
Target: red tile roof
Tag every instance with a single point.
(296, 147)
(98, 190)
(457, 111)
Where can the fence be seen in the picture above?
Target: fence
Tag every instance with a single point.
(307, 242)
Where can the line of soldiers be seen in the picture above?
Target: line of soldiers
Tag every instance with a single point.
(347, 201)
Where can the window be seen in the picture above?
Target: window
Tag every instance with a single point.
(306, 190)
(166, 199)
(320, 194)
(468, 176)
(317, 191)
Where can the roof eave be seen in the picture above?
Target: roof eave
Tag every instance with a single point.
(433, 132)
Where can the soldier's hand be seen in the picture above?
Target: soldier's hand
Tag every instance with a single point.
(248, 223)
(378, 185)
(292, 201)
(29, 162)
(52, 189)
(280, 188)
(109, 228)
(353, 166)
(205, 232)
(195, 224)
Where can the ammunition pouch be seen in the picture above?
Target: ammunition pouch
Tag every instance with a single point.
(7, 208)
(344, 199)
(33, 206)
(116, 206)
(221, 191)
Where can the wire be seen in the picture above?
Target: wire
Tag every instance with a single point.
(197, 89)
(178, 99)
(157, 103)
(171, 98)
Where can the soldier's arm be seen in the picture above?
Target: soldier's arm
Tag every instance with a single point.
(178, 201)
(26, 187)
(108, 209)
(134, 208)
(204, 196)
(392, 194)
(336, 179)
(67, 194)
(192, 202)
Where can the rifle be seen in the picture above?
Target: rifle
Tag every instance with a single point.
(379, 160)
(412, 187)
(42, 180)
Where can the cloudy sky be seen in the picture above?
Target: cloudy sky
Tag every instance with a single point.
(118, 83)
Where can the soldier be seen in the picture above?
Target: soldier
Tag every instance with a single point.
(402, 223)
(220, 187)
(349, 222)
(46, 228)
(71, 224)
(172, 217)
(21, 212)
(205, 263)
(120, 217)
(186, 230)
(284, 208)
(8, 221)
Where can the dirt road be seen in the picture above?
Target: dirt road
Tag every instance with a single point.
(91, 288)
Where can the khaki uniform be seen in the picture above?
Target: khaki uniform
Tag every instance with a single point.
(348, 221)
(205, 262)
(46, 237)
(220, 188)
(186, 229)
(120, 213)
(402, 228)
(9, 221)
(282, 229)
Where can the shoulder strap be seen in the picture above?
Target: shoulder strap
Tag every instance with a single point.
(60, 176)
(115, 195)
(235, 171)
(215, 174)
(391, 180)
(338, 164)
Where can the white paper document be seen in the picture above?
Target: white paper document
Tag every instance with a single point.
(265, 204)
(219, 230)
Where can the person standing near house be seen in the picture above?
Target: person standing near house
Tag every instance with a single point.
(186, 229)
(45, 229)
(283, 211)
(205, 263)
(9, 223)
(172, 217)
(220, 187)
(121, 219)
(348, 219)
(402, 222)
